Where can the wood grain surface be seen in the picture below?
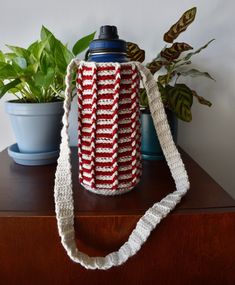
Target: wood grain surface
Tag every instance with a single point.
(195, 244)
(30, 189)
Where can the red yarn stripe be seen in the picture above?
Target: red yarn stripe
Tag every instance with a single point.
(79, 90)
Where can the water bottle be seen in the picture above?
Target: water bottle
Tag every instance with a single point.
(109, 117)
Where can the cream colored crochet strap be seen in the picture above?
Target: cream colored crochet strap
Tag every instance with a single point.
(64, 203)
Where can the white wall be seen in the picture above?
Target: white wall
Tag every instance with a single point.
(210, 138)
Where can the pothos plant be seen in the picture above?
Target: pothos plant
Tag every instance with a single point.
(36, 74)
(177, 97)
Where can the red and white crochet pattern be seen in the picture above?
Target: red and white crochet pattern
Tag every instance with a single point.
(108, 127)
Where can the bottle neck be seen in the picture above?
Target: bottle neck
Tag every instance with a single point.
(108, 57)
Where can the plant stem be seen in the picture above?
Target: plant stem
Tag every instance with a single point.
(177, 77)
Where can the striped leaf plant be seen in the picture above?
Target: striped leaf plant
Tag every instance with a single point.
(177, 97)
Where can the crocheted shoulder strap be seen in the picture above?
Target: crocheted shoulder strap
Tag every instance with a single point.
(63, 191)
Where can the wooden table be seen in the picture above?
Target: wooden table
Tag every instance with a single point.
(195, 244)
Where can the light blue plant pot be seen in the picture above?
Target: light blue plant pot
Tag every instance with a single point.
(36, 126)
(150, 145)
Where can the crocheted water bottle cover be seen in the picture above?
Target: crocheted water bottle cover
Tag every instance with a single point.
(63, 192)
(108, 127)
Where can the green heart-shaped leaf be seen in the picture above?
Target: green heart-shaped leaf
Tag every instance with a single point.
(83, 43)
(7, 71)
(8, 86)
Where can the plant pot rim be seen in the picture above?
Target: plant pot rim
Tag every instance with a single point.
(33, 109)
(31, 103)
(145, 111)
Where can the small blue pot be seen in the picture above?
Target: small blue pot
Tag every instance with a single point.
(36, 126)
(150, 145)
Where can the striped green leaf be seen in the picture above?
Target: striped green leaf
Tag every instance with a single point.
(180, 101)
(201, 100)
(190, 54)
(175, 51)
(181, 25)
(155, 65)
(135, 53)
(195, 73)
(166, 78)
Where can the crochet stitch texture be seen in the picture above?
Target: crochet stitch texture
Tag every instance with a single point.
(63, 192)
(108, 127)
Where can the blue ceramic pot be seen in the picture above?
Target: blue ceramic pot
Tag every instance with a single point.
(150, 145)
(36, 126)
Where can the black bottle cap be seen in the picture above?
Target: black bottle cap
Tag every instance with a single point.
(108, 42)
(108, 33)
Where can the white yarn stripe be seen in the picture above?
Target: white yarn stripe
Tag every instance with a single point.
(97, 159)
(109, 101)
(104, 72)
(87, 92)
(124, 140)
(86, 166)
(87, 121)
(124, 159)
(103, 140)
(123, 149)
(126, 72)
(124, 121)
(63, 183)
(125, 131)
(110, 177)
(104, 112)
(104, 150)
(108, 122)
(125, 111)
(87, 72)
(86, 111)
(88, 82)
(107, 150)
(101, 122)
(87, 101)
(105, 102)
(102, 189)
(124, 168)
(124, 101)
(105, 91)
(110, 131)
(106, 168)
(107, 159)
(125, 91)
